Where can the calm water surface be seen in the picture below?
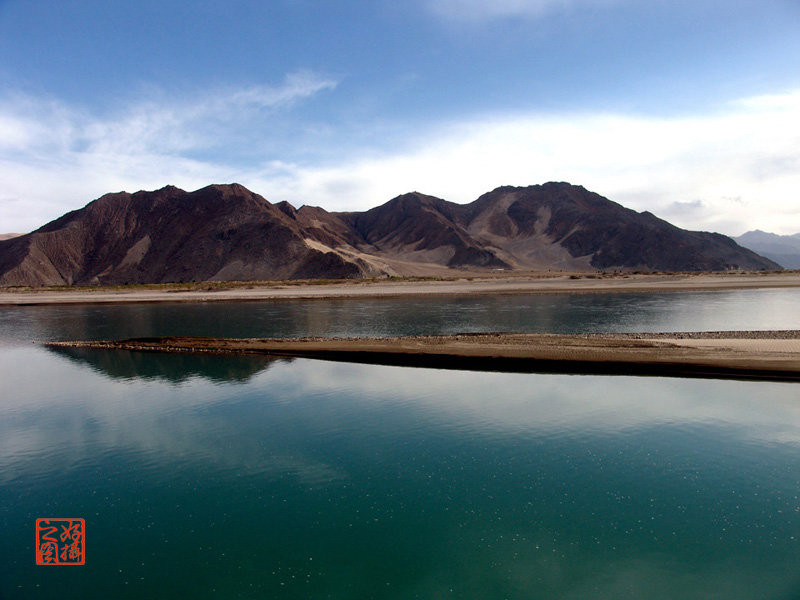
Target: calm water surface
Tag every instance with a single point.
(240, 477)
(548, 313)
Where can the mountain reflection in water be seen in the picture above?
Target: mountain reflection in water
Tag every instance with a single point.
(171, 367)
(241, 477)
(313, 479)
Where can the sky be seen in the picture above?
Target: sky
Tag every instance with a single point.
(689, 109)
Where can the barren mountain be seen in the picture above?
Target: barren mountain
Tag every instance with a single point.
(221, 232)
(566, 225)
(226, 232)
(420, 228)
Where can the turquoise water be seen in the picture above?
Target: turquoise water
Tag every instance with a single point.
(241, 477)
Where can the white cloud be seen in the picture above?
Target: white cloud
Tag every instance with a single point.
(730, 171)
(556, 402)
(737, 169)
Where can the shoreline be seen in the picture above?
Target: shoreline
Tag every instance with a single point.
(465, 286)
(769, 355)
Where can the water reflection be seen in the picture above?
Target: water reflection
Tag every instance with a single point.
(312, 479)
(174, 368)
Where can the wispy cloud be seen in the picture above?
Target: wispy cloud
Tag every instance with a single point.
(161, 124)
(52, 154)
(480, 10)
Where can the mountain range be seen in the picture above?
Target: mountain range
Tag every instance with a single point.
(227, 232)
(782, 249)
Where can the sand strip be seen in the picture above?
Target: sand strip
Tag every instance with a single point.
(737, 355)
(541, 284)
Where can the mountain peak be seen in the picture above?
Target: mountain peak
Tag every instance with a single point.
(783, 249)
(227, 232)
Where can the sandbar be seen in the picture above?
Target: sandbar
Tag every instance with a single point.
(765, 355)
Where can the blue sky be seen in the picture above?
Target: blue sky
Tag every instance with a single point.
(688, 109)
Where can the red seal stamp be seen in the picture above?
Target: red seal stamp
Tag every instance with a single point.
(60, 542)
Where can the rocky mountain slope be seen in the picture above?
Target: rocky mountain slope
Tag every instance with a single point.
(534, 222)
(555, 225)
(226, 232)
(783, 249)
(221, 232)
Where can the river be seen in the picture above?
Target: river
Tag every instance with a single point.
(243, 477)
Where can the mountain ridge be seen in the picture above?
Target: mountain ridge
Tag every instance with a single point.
(782, 249)
(226, 232)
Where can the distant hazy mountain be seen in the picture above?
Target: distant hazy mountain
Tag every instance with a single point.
(8, 236)
(783, 249)
(226, 232)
